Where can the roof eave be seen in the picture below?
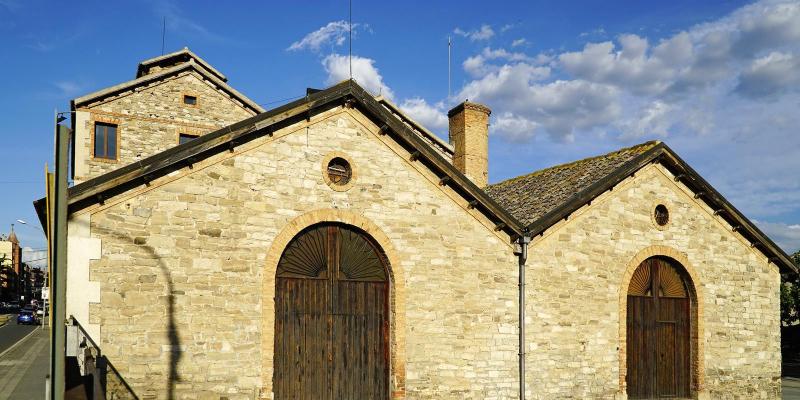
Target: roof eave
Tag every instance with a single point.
(432, 136)
(729, 212)
(138, 173)
(186, 51)
(132, 84)
(662, 153)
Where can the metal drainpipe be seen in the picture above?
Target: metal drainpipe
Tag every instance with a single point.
(522, 253)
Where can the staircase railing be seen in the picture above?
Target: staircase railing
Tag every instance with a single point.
(100, 378)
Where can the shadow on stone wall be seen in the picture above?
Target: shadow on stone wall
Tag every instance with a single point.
(172, 329)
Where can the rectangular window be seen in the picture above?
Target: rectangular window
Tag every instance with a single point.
(185, 137)
(190, 100)
(105, 140)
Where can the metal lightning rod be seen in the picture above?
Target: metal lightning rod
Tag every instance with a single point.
(449, 44)
(163, 33)
(350, 31)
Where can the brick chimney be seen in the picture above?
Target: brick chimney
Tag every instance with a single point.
(469, 135)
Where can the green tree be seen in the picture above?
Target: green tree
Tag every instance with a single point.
(790, 295)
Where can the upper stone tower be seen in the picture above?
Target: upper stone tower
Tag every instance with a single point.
(160, 63)
(175, 98)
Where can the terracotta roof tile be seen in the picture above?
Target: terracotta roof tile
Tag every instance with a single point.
(529, 197)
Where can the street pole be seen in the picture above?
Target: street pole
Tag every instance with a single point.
(59, 260)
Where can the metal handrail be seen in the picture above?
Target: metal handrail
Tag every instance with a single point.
(94, 363)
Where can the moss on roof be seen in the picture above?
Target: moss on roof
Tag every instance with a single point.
(529, 197)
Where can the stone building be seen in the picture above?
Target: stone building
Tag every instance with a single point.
(334, 248)
(10, 261)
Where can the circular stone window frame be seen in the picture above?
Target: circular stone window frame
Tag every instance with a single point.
(335, 186)
(668, 206)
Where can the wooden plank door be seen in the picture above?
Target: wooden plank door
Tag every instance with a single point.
(672, 347)
(360, 358)
(360, 327)
(641, 366)
(301, 345)
(332, 327)
(658, 333)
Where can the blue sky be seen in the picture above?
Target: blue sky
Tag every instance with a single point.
(718, 81)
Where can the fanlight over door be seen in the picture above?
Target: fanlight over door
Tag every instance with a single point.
(332, 317)
(658, 332)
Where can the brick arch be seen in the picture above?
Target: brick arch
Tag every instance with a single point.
(396, 291)
(697, 360)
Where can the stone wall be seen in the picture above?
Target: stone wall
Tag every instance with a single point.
(577, 282)
(187, 268)
(150, 119)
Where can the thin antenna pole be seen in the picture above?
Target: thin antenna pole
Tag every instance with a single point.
(448, 66)
(163, 33)
(350, 29)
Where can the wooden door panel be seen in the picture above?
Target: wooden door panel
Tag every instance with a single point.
(641, 367)
(360, 359)
(331, 325)
(665, 359)
(658, 352)
(301, 339)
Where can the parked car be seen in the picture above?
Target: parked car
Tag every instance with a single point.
(27, 316)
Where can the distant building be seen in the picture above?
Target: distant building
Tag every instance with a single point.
(334, 248)
(31, 283)
(10, 262)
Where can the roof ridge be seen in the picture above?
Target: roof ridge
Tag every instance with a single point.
(191, 64)
(184, 51)
(649, 144)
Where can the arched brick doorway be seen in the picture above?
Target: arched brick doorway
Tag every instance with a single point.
(658, 331)
(332, 316)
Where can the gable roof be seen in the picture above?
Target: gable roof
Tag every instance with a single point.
(542, 198)
(193, 63)
(171, 59)
(531, 196)
(346, 93)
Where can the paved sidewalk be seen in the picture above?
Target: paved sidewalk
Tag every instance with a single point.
(24, 367)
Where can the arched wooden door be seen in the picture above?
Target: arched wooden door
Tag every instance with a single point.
(332, 317)
(658, 343)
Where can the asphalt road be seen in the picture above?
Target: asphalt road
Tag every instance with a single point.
(11, 333)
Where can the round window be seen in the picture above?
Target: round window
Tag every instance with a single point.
(661, 215)
(339, 171)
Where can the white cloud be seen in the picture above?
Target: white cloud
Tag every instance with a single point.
(430, 116)
(561, 107)
(507, 27)
(632, 66)
(599, 32)
(334, 34)
(766, 24)
(770, 75)
(480, 64)
(519, 42)
(364, 72)
(68, 88)
(514, 127)
(784, 235)
(651, 89)
(484, 33)
(652, 120)
(724, 93)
